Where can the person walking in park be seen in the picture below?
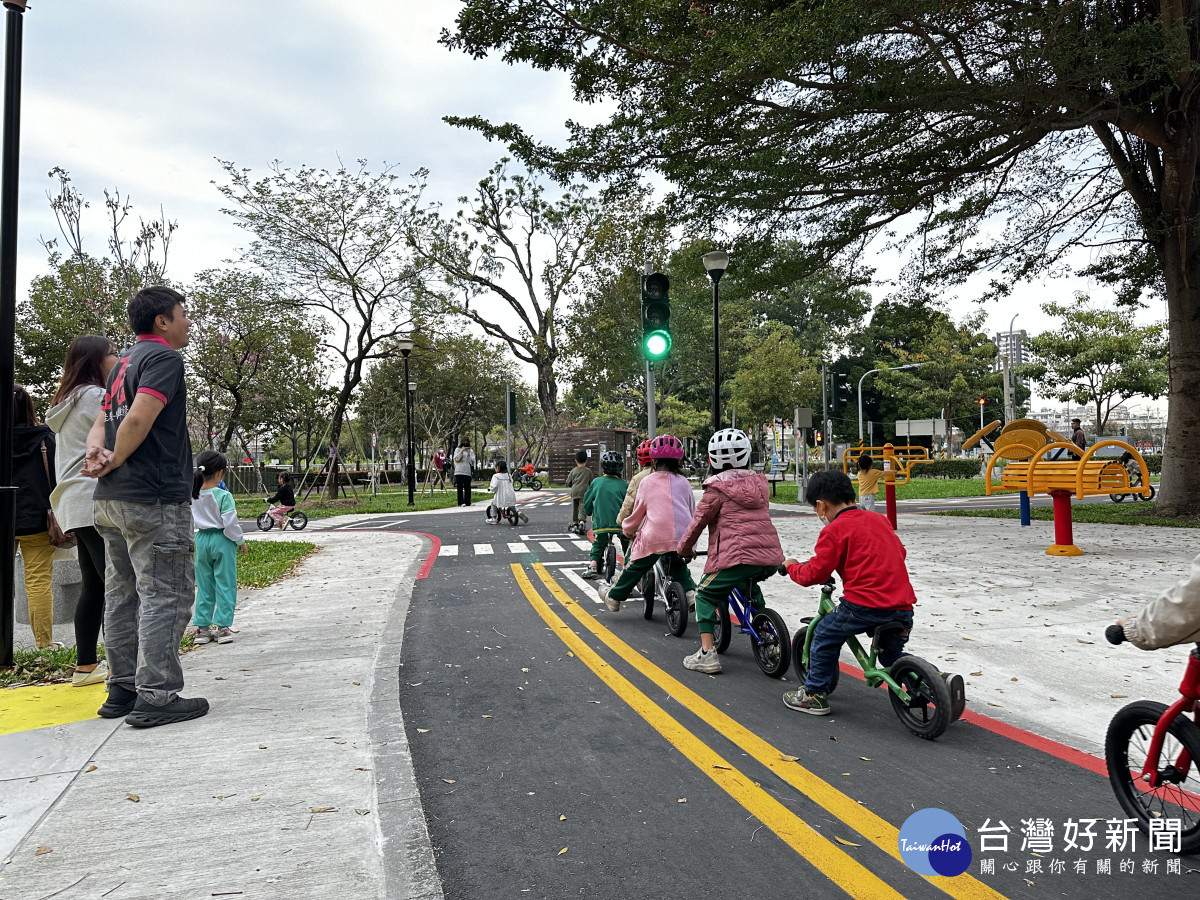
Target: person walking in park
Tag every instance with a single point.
(32, 467)
(1078, 438)
(73, 410)
(140, 450)
(578, 481)
(464, 471)
(438, 469)
(219, 537)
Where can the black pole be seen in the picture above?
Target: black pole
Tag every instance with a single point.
(9, 167)
(716, 402)
(411, 473)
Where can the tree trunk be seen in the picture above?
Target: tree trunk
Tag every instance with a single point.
(1179, 493)
(547, 388)
(335, 433)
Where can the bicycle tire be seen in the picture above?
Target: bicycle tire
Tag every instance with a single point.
(929, 712)
(677, 609)
(1150, 498)
(265, 522)
(299, 520)
(723, 630)
(1132, 727)
(512, 516)
(798, 660)
(610, 563)
(535, 485)
(1116, 498)
(773, 649)
(518, 484)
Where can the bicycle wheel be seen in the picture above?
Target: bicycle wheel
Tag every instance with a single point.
(1125, 748)
(518, 484)
(610, 564)
(1151, 497)
(773, 649)
(929, 710)
(723, 630)
(511, 515)
(798, 640)
(535, 485)
(677, 609)
(265, 522)
(299, 520)
(1116, 498)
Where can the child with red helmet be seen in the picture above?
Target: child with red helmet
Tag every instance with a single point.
(662, 509)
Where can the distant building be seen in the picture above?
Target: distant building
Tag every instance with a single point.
(1014, 349)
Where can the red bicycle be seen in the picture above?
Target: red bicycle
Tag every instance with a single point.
(1153, 756)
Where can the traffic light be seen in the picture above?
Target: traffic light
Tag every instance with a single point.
(817, 437)
(510, 408)
(840, 390)
(656, 316)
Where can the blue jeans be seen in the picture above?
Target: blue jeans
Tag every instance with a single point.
(847, 620)
(150, 588)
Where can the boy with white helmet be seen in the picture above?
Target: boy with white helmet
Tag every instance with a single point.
(742, 542)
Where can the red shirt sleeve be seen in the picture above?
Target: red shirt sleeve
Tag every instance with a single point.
(825, 559)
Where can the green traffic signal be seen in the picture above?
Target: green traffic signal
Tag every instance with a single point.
(656, 316)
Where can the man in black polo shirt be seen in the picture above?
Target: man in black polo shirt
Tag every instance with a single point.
(140, 451)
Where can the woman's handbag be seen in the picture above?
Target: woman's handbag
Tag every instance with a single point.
(58, 537)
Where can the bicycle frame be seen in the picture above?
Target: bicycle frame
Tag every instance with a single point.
(874, 674)
(1189, 688)
(744, 610)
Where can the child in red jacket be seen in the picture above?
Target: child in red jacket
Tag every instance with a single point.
(866, 552)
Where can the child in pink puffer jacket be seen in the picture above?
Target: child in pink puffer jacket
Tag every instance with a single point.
(742, 542)
(662, 511)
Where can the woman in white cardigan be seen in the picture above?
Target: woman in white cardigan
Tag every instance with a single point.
(72, 413)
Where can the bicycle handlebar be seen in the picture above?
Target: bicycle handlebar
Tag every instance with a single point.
(1114, 634)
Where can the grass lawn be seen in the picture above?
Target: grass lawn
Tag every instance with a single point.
(266, 563)
(917, 489)
(319, 507)
(1104, 513)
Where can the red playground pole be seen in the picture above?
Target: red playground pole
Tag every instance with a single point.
(889, 484)
(1064, 541)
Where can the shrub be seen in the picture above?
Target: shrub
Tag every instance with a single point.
(948, 468)
(1153, 462)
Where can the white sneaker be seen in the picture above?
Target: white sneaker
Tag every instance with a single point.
(613, 605)
(202, 635)
(702, 660)
(223, 635)
(96, 676)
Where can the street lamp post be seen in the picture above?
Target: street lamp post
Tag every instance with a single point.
(410, 475)
(872, 372)
(1010, 377)
(715, 263)
(9, 168)
(981, 402)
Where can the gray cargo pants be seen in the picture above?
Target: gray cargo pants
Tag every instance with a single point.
(149, 592)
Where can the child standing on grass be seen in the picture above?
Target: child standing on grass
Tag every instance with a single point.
(868, 482)
(218, 538)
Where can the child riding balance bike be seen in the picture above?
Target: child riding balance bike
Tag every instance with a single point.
(602, 502)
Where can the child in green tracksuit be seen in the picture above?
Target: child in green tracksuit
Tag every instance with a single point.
(218, 538)
(603, 502)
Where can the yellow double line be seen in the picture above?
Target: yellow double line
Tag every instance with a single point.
(850, 875)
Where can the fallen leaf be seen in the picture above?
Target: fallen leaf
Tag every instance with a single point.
(485, 717)
(134, 797)
(562, 851)
(1082, 641)
(832, 738)
(320, 809)
(362, 812)
(865, 758)
(361, 769)
(787, 758)
(562, 818)
(681, 800)
(1030, 883)
(845, 843)
(222, 678)
(976, 674)
(356, 682)
(285, 685)
(449, 781)
(570, 654)
(726, 768)
(262, 746)
(422, 731)
(990, 703)
(846, 774)
(525, 669)
(255, 799)
(1118, 696)
(91, 768)
(42, 851)
(966, 639)
(1014, 678)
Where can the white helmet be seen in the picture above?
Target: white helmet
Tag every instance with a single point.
(729, 448)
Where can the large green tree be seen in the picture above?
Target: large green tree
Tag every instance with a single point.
(1001, 134)
(1099, 357)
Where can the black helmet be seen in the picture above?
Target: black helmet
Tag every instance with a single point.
(612, 463)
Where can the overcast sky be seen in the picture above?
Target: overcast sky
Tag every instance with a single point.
(145, 95)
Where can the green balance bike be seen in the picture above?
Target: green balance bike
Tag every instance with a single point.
(921, 697)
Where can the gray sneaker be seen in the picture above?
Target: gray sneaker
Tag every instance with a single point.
(613, 605)
(223, 635)
(202, 634)
(803, 701)
(708, 661)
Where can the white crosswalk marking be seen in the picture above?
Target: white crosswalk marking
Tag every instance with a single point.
(483, 549)
(448, 550)
(587, 589)
(553, 547)
(517, 547)
(582, 545)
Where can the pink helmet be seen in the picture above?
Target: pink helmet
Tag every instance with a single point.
(666, 446)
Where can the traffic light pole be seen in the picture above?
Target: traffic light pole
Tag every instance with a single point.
(651, 410)
(824, 419)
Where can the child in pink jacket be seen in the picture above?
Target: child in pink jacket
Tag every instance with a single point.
(742, 542)
(663, 510)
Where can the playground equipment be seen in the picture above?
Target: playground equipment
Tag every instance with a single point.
(1039, 460)
(897, 464)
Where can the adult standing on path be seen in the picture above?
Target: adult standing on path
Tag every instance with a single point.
(1078, 438)
(464, 469)
(73, 410)
(33, 463)
(140, 450)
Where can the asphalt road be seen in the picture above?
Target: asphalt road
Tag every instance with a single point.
(562, 751)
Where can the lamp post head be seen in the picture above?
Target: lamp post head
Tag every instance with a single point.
(405, 346)
(715, 263)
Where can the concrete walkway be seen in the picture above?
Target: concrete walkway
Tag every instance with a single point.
(298, 783)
